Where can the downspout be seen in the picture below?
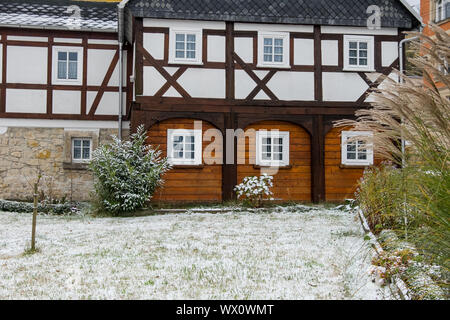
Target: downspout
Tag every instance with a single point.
(121, 40)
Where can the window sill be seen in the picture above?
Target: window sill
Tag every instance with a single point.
(192, 63)
(188, 166)
(76, 166)
(358, 70)
(284, 167)
(355, 166)
(273, 66)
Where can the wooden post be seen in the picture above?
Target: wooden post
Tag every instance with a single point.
(229, 171)
(318, 160)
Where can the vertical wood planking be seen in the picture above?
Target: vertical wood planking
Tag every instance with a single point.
(229, 171)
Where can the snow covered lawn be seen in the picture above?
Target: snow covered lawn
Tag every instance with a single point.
(289, 253)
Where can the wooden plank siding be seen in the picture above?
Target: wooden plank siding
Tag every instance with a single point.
(292, 183)
(182, 183)
(340, 182)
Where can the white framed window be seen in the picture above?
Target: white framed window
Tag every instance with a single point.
(81, 149)
(273, 49)
(358, 53)
(184, 147)
(185, 46)
(442, 8)
(67, 65)
(357, 151)
(272, 148)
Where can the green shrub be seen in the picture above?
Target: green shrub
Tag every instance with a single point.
(127, 173)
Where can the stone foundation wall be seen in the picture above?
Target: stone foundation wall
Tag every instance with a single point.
(26, 151)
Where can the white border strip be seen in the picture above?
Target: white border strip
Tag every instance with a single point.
(47, 123)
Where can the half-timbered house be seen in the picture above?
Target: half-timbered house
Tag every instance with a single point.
(286, 69)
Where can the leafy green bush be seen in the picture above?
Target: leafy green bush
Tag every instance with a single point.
(127, 173)
(254, 189)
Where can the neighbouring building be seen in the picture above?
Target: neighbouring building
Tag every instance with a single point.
(290, 66)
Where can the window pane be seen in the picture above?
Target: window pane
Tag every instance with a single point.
(86, 153)
(179, 46)
(267, 149)
(267, 58)
(178, 155)
(363, 62)
(178, 146)
(266, 140)
(278, 156)
(351, 155)
(190, 139)
(73, 56)
(278, 140)
(278, 58)
(279, 42)
(353, 45)
(62, 70)
(362, 156)
(278, 149)
(353, 53)
(190, 46)
(73, 70)
(351, 147)
(267, 41)
(77, 153)
(179, 54)
(279, 50)
(353, 61)
(191, 38)
(190, 54)
(363, 53)
(267, 49)
(62, 56)
(266, 156)
(190, 147)
(190, 155)
(86, 143)
(363, 45)
(180, 37)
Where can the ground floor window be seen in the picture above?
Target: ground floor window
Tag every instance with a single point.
(81, 149)
(272, 148)
(356, 149)
(184, 147)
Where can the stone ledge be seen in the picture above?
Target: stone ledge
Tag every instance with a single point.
(75, 166)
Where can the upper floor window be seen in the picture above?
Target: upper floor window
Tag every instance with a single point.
(356, 149)
(359, 53)
(442, 8)
(184, 147)
(81, 149)
(272, 148)
(273, 49)
(185, 46)
(67, 65)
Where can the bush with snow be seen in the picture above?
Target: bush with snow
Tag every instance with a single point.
(255, 189)
(127, 173)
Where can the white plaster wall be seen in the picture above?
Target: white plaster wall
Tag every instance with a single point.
(389, 51)
(26, 101)
(27, 65)
(358, 30)
(216, 49)
(293, 86)
(24, 38)
(103, 41)
(243, 84)
(67, 40)
(98, 64)
(114, 81)
(273, 27)
(330, 52)
(66, 124)
(109, 104)
(164, 23)
(66, 102)
(204, 83)
(342, 86)
(154, 44)
(153, 81)
(304, 52)
(244, 49)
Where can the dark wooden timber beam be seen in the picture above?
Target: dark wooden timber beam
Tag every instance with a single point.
(318, 160)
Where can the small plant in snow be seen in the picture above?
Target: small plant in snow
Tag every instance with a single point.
(255, 189)
(127, 173)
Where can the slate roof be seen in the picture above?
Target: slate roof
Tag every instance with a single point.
(54, 14)
(323, 12)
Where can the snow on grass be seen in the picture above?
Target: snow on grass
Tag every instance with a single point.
(296, 252)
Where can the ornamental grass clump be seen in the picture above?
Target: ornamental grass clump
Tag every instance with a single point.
(127, 173)
(253, 190)
(412, 195)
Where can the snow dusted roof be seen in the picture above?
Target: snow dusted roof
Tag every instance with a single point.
(59, 14)
(394, 13)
